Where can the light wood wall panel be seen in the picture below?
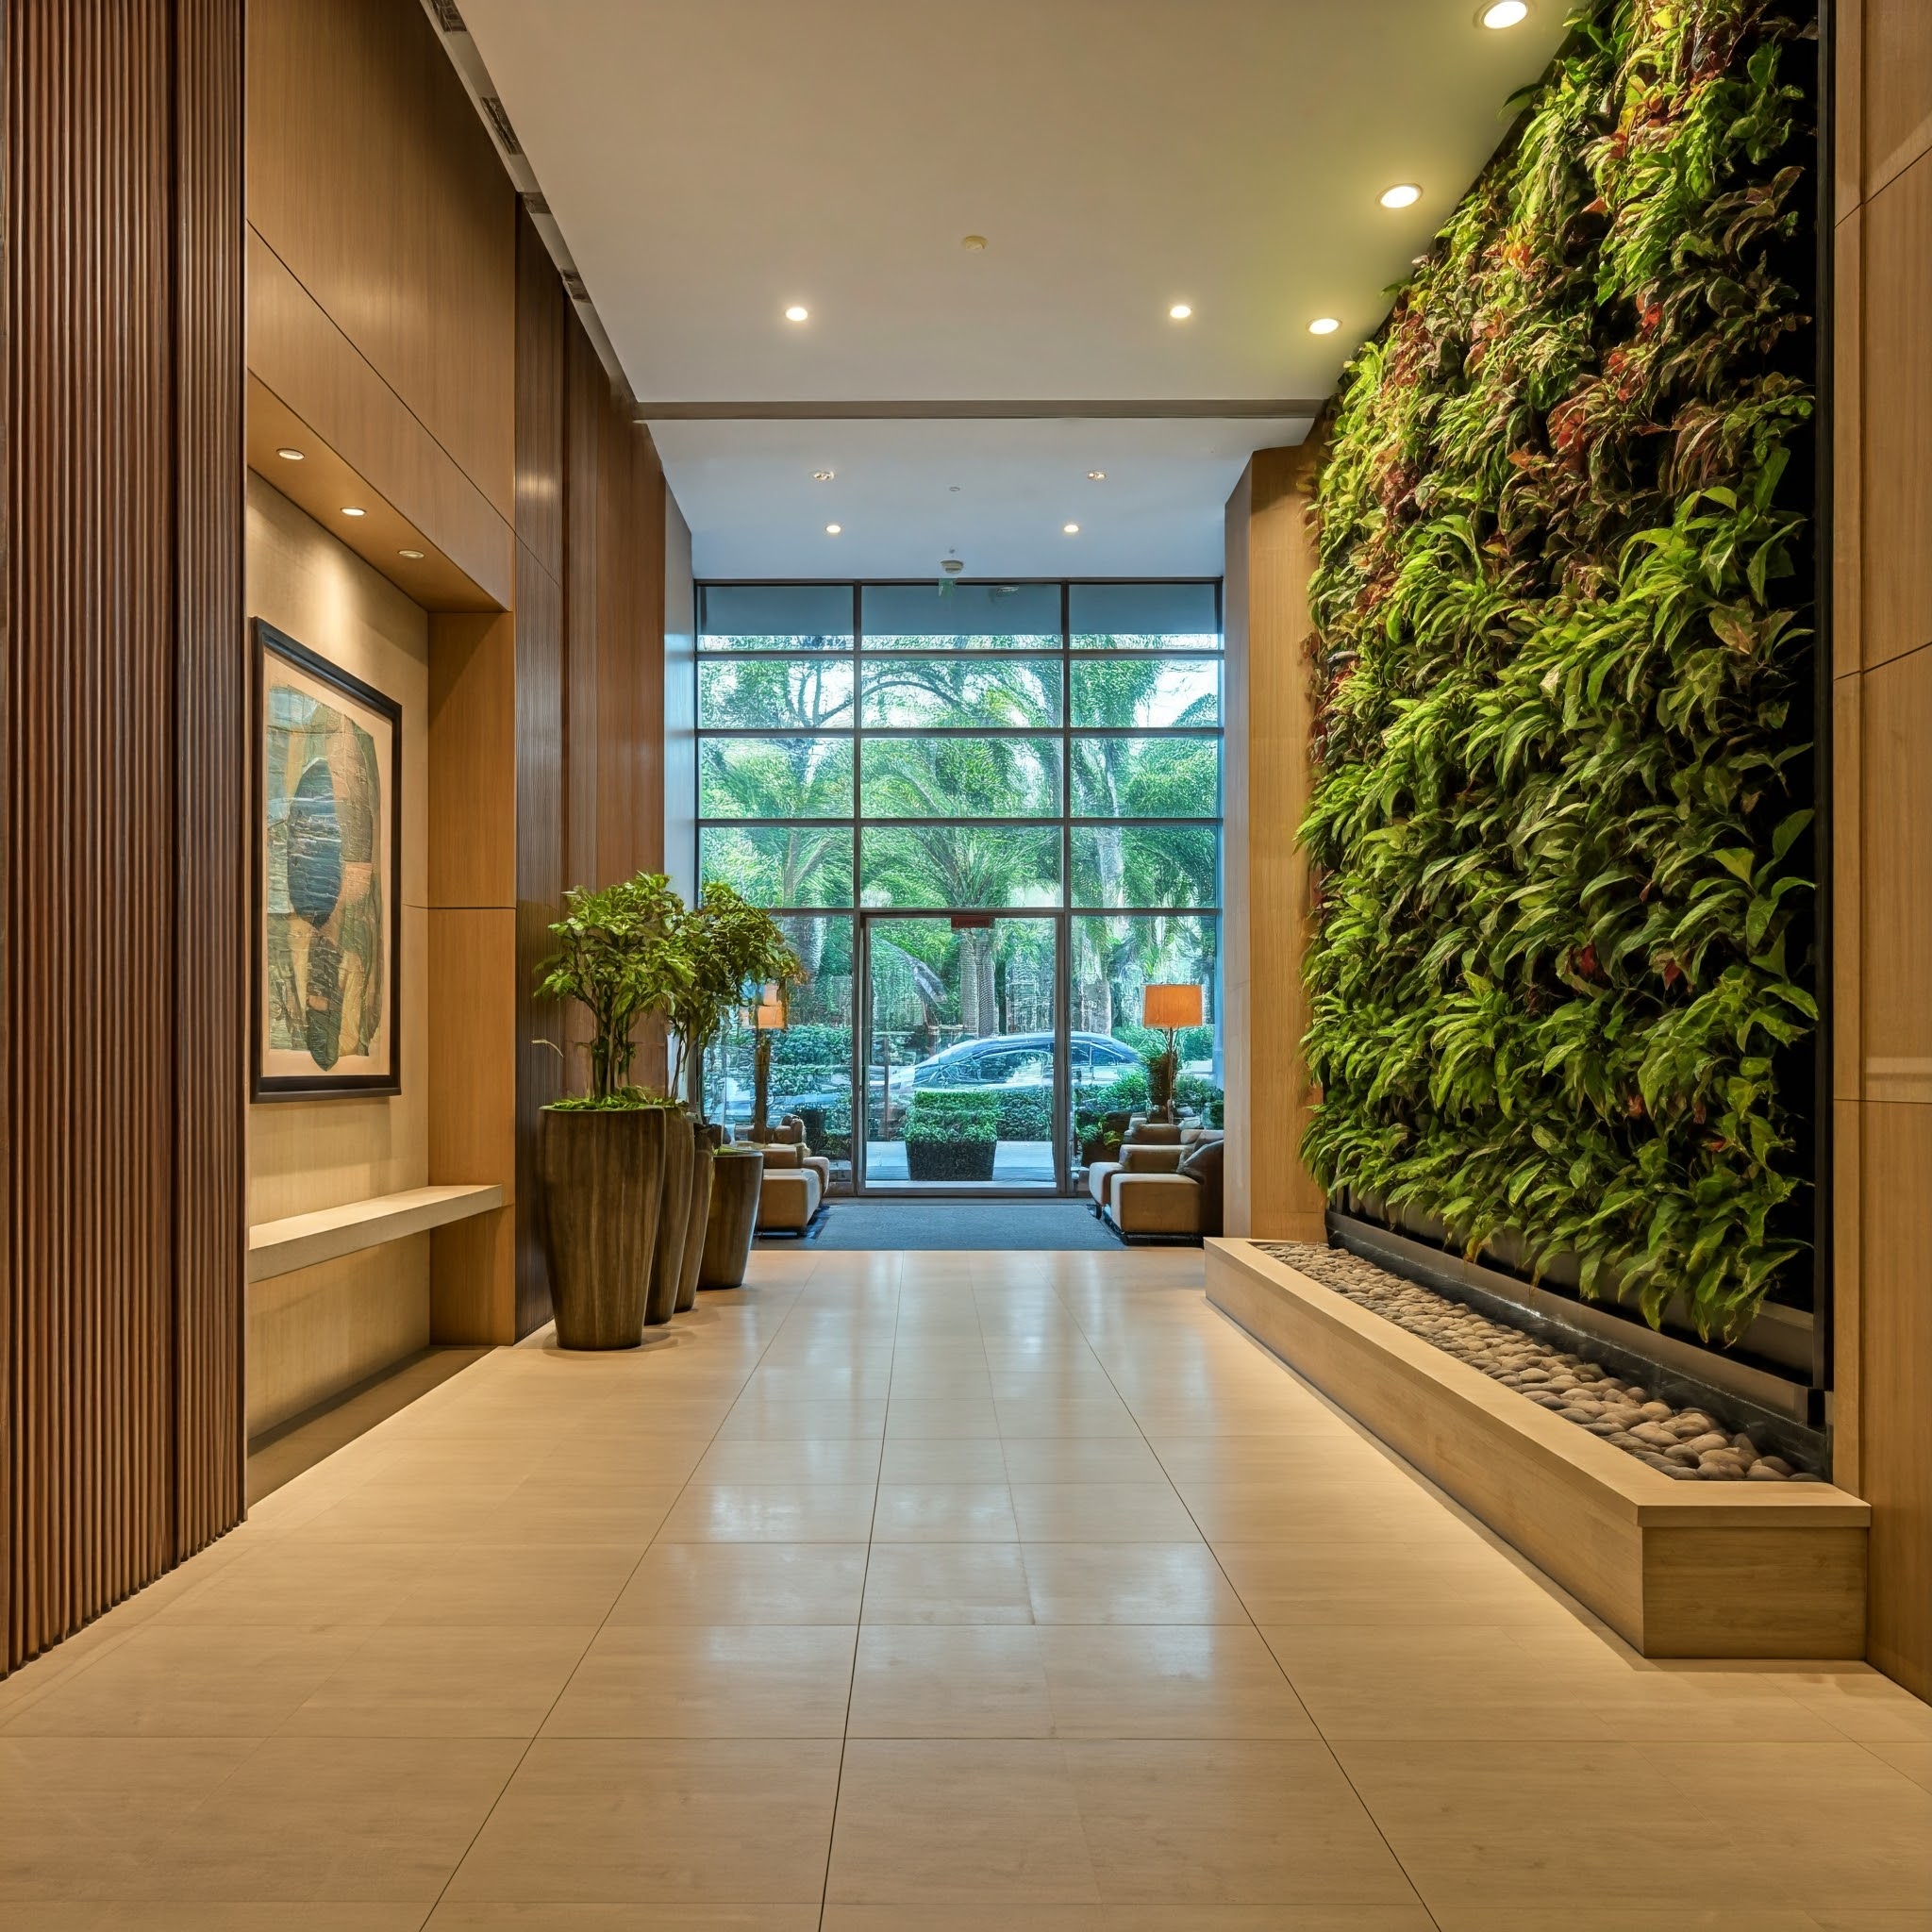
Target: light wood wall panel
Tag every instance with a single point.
(320, 1330)
(315, 371)
(473, 761)
(120, 1266)
(375, 183)
(1266, 890)
(1882, 858)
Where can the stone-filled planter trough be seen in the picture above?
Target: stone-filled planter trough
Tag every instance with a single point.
(1676, 1568)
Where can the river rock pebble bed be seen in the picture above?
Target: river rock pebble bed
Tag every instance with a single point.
(1685, 1443)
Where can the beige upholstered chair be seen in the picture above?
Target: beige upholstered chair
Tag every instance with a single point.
(794, 1188)
(1165, 1190)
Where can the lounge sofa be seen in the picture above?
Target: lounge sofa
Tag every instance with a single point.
(1165, 1187)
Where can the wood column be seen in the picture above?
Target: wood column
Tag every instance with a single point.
(125, 668)
(1882, 809)
(589, 684)
(1265, 888)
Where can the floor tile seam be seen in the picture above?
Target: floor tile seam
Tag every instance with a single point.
(852, 1679)
(630, 1576)
(1142, 1436)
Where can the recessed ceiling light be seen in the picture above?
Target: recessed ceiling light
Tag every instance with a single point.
(1096, 476)
(797, 313)
(833, 530)
(1404, 195)
(972, 244)
(1070, 530)
(1180, 311)
(414, 556)
(822, 475)
(1324, 325)
(290, 456)
(349, 510)
(1502, 13)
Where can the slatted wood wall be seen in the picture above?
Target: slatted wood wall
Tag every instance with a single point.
(121, 1095)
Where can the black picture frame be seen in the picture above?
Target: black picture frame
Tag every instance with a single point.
(270, 643)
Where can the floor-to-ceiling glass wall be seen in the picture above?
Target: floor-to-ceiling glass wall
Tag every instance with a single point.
(989, 816)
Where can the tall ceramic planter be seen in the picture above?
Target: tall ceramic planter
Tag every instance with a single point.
(704, 1151)
(667, 1265)
(737, 1174)
(600, 1188)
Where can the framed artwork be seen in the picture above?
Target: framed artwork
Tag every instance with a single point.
(328, 847)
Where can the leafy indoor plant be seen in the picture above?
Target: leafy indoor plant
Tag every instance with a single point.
(731, 950)
(952, 1137)
(600, 1155)
(727, 950)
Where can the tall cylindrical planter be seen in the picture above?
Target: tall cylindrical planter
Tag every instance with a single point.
(599, 1172)
(737, 1174)
(669, 1263)
(704, 1153)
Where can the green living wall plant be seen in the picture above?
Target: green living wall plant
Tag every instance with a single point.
(1559, 822)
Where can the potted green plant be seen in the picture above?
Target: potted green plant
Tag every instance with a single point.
(952, 1137)
(729, 950)
(600, 1155)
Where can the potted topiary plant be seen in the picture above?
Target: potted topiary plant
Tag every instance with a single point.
(600, 1155)
(952, 1137)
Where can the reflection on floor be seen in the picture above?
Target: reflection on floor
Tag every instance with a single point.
(963, 1592)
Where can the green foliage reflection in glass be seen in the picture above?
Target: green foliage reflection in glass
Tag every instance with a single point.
(1554, 828)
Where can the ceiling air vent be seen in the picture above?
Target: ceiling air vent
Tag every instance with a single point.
(573, 285)
(447, 17)
(534, 203)
(500, 121)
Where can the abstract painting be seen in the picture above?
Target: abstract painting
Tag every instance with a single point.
(328, 762)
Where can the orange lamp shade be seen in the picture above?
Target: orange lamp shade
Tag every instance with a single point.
(768, 1016)
(1171, 1005)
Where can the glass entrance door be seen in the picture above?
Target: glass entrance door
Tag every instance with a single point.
(964, 1060)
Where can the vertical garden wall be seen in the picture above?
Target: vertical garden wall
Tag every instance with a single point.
(1562, 972)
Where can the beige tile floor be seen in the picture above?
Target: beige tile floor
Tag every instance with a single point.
(958, 1592)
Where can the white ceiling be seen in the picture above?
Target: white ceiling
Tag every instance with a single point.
(749, 488)
(710, 161)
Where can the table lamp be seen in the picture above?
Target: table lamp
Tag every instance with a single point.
(1169, 1008)
(767, 1018)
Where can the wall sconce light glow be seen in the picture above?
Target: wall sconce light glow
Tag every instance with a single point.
(349, 510)
(414, 556)
(797, 313)
(1404, 195)
(1324, 325)
(1502, 13)
(1180, 311)
(1070, 530)
(1096, 476)
(833, 530)
(291, 456)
